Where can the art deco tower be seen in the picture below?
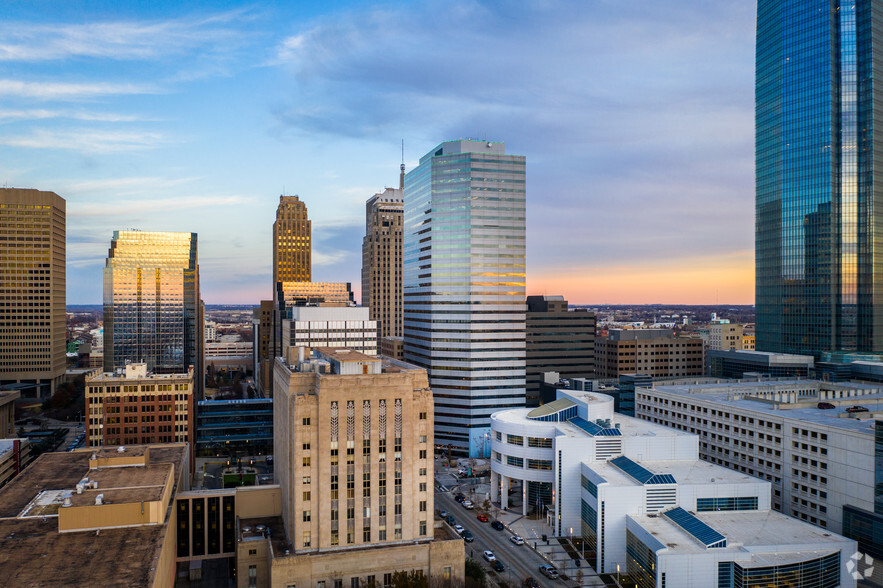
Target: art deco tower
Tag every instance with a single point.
(32, 288)
(382, 259)
(819, 207)
(292, 235)
(151, 302)
(464, 263)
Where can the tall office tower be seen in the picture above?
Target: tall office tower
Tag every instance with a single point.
(464, 263)
(32, 288)
(292, 235)
(558, 340)
(151, 303)
(819, 207)
(382, 259)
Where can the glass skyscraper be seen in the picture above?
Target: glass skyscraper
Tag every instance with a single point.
(464, 270)
(151, 302)
(819, 208)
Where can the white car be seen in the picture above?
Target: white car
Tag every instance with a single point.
(489, 555)
(467, 504)
(516, 539)
(459, 529)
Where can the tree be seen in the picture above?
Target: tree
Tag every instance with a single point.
(475, 574)
(412, 579)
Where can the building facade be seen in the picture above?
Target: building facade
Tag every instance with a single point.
(382, 259)
(292, 242)
(817, 459)
(653, 352)
(152, 306)
(647, 506)
(138, 407)
(329, 326)
(32, 296)
(557, 340)
(464, 280)
(818, 201)
(724, 335)
(354, 458)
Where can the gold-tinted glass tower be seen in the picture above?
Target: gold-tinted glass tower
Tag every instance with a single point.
(151, 302)
(292, 235)
(32, 288)
(382, 260)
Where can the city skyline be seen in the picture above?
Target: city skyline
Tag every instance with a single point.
(171, 118)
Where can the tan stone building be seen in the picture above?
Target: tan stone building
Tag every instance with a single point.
(724, 336)
(382, 259)
(32, 296)
(354, 458)
(292, 234)
(652, 352)
(137, 407)
(7, 413)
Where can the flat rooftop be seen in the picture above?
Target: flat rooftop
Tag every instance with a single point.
(34, 553)
(628, 426)
(343, 354)
(259, 528)
(726, 395)
(771, 537)
(685, 472)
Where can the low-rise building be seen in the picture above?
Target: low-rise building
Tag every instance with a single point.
(735, 363)
(136, 407)
(329, 326)
(613, 477)
(654, 352)
(15, 455)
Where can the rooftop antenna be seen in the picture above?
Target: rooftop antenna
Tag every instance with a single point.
(402, 168)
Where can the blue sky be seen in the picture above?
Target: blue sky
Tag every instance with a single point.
(636, 118)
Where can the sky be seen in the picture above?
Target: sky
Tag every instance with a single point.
(636, 118)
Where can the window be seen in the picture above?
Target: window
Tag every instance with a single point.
(306, 462)
(306, 496)
(306, 479)
(423, 527)
(306, 516)
(306, 446)
(423, 438)
(422, 454)
(514, 439)
(422, 486)
(515, 461)
(306, 422)
(252, 552)
(422, 506)
(307, 539)
(422, 416)
(252, 576)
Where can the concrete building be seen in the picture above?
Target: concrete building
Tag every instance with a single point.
(139, 407)
(464, 274)
(15, 455)
(622, 484)
(393, 347)
(7, 412)
(152, 305)
(292, 242)
(382, 259)
(290, 294)
(32, 297)
(653, 352)
(329, 326)
(243, 426)
(263, 331)
(238, 355)
(354, 458)
(557, 340)
(818, 460)
(724, 335)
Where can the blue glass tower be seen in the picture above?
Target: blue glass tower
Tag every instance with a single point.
(819, 207)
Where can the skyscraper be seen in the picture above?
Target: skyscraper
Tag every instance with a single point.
(32, 288)
(382, 259)
(152, 304)
(464, 264)
(819, 207)
(292, 233)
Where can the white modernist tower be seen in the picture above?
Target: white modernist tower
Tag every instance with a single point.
(464, 268)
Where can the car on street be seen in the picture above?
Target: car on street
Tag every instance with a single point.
(468, 537)
(549, 571)
(483, 518)
(852, 409)
(450, 519)
(489, 555)
(497, 525)
(460, 497)
(825, 405)
(530, 582)
(498, 566)
(459, 529)
(443, 513)
(516, 539)
(467, 504)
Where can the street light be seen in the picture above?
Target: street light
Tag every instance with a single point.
(617, 574)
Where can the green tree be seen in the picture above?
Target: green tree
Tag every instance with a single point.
(475, 574)
(412, 579)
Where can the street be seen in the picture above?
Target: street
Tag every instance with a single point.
(520, 561)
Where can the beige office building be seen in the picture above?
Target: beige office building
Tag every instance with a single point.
(292, 235)
(32, 288)
(724, 336)
(382, 260)
(653, 352)
(354, 458)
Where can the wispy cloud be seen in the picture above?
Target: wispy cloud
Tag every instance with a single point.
(161, 206)
(124, 40)
(86, 140)
(44, 114)
(128, 186)
(72, 90)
